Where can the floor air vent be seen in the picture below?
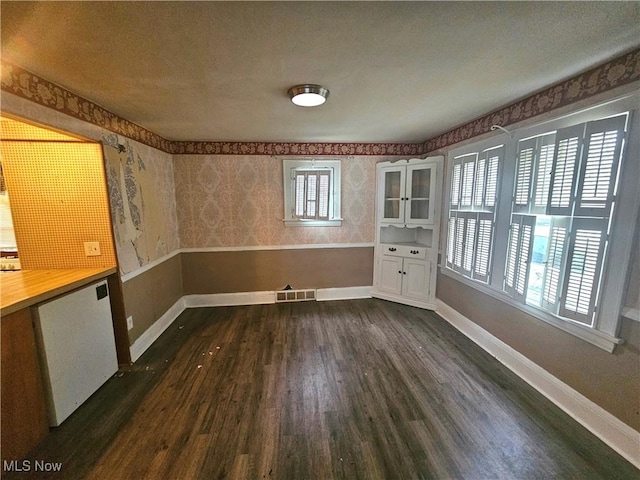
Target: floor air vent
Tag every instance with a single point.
(295, 295)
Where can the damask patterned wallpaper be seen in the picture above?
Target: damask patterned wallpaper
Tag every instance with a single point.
(236, 200)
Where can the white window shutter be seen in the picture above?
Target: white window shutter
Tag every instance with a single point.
(456, 180)
(519, 256)
(469, 243)
(556, 256)
(512, 258)
(299, 186)
(474, 186)
(603, 144)
(524, 256)
(584, 263)
(484, 241)
(324, 192)
(459, 243)
(468, 177)
(480, 182)
(524, 170)
(312, 193)
(564, 171)
(451, 234)
(494, 160)
(542, 177)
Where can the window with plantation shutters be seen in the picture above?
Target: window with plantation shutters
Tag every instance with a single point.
(312, 192)
(474, 183)
(568, 184)
(545, 221)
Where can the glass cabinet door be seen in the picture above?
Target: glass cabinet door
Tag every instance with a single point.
(420, 181)
(393, 202)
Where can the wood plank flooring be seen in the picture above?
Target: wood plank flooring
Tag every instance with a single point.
(362, 389)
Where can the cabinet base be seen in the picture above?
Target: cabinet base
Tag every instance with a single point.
(428, 305)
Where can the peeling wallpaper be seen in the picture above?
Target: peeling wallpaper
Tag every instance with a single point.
(236, 200)
(142, 200)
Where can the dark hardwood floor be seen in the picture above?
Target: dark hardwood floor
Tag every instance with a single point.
(362, 389)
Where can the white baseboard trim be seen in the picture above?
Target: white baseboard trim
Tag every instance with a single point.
(269, 296)
(150, 335)
(404, 300)
(615, 433)
(229, 299)
(344, 293)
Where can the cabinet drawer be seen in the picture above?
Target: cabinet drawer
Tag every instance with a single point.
(409, 251)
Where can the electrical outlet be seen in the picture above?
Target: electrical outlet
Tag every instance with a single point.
(92, 249)
(130, 322)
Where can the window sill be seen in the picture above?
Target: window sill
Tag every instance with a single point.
(593, 336)
(313, 223)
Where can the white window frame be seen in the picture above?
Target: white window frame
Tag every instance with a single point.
(603, 332)
(290, 169)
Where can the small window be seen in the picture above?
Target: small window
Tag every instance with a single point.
(312, 192)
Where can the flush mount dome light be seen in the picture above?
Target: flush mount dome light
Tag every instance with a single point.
(308, 95)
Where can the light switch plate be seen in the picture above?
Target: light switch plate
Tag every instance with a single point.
(130, 322)
(92, 249)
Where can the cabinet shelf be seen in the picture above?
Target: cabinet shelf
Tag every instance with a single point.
(414, 235)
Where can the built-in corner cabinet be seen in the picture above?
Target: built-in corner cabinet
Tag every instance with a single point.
(408, 200)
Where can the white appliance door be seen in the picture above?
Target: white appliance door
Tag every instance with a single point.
(77, 347)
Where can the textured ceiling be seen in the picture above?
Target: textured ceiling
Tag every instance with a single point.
(397, 71)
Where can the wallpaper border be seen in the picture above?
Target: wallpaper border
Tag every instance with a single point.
(620, 71)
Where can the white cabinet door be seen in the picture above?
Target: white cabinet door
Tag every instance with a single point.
(415, 279)
(391, 274)
(420, 194)
(405, 276)
(77, 347)
(408, 194)
(393, 200)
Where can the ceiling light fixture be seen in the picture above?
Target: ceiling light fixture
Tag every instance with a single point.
(308, 95)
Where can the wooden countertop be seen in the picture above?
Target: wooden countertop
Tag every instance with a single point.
(25, 288)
